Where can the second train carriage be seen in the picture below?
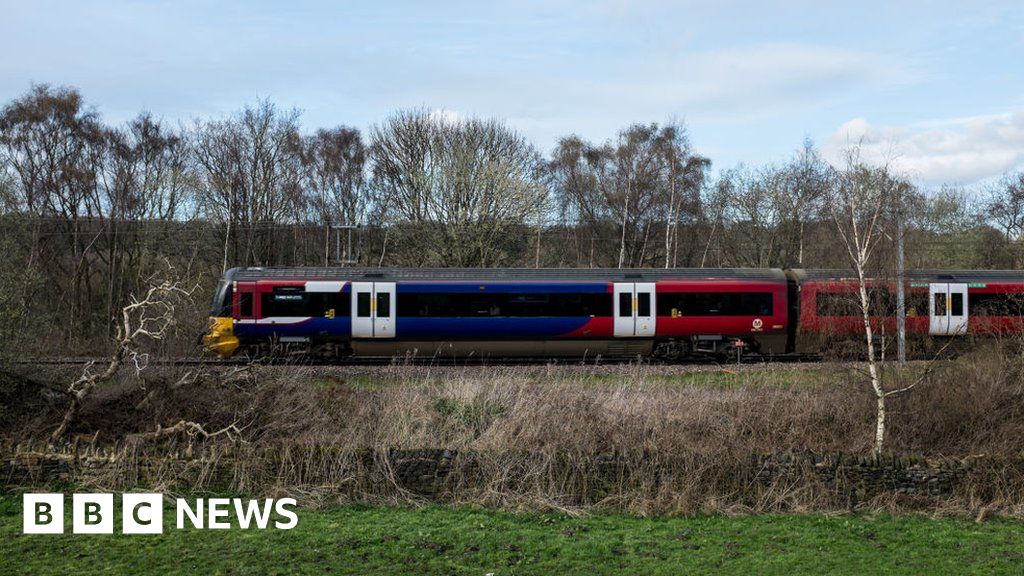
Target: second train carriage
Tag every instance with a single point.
(938, 304)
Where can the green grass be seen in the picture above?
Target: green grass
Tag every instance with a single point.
(439, 540)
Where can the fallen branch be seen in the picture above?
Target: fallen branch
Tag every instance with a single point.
(191, 429)
(148, 318)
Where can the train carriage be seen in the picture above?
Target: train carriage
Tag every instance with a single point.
(501, 312)
(938, 304)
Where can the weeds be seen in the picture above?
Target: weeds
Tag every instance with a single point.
(636, 438)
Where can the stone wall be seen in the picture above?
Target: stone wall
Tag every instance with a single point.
(865, 476)
(435, 473)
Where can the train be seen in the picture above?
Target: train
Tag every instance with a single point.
(340, 312)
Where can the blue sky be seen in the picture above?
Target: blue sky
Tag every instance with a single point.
(935, 88)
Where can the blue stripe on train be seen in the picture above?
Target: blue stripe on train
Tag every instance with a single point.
(426, 328)
(486, 328)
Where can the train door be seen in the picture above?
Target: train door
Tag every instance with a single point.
(634, 309)
(373, 309)
(947, 309)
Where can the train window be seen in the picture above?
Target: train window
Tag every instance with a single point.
(957, 304)
(296, 303)
(940, 304)
(329, 304)
(917, 304)
(715, 304)
(838, 304)
(643, 304)
(504, 305)
(245, 304)
(363, 304)
(625, 304)
(996, 304)
(882, 302)
(582, 305)
(283, 304)
(383, 304)
(223, 299)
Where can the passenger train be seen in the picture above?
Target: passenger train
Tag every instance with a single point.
(589, 313)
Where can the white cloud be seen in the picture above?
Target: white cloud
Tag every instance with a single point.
(957, 150)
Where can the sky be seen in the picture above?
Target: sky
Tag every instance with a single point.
(934, 89)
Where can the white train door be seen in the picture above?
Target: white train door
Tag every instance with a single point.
(634, 309)
(383, 309)
(373, 309)
(947, 309)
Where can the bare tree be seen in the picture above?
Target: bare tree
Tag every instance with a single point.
(465, 189)
(683, 176)
(574, 173)
(754, 213)
(631, 189)
(147, 184)
(857, 205)
(1005, 210)
(251, 169)
(52, 146)
(1006, 205)
(334, 179)
(802, 188)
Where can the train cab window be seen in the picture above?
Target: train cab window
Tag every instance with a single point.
(363, 304)
(223, 299)
(940, 304)
(643, 304)
(625, 304)
(245, 304)
(957, 304)
(383, 305)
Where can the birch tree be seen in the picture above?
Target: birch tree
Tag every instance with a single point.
(857, 203)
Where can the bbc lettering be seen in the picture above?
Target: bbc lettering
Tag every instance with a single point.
(144, 513)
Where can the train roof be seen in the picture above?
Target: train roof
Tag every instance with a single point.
(491, 274)
(919, 275)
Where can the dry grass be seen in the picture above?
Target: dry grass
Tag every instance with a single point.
(681, 442)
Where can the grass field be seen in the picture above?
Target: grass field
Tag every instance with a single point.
(438, 540)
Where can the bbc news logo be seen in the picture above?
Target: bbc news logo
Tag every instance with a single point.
(144, 513)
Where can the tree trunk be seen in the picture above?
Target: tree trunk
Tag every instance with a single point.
(876, 381)
(625, 220)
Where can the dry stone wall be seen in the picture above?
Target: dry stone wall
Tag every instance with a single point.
(440, 473)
